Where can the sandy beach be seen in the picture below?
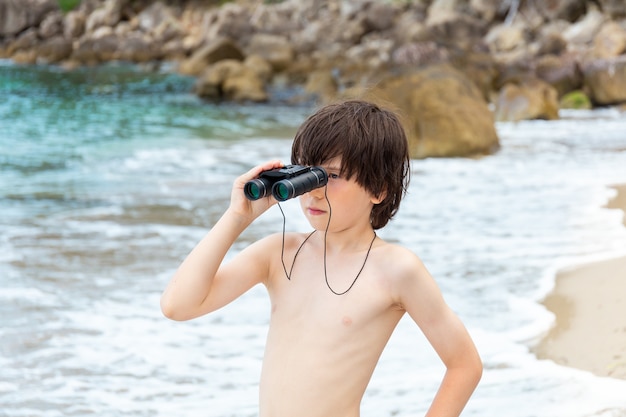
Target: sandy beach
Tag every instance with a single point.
(589, 303)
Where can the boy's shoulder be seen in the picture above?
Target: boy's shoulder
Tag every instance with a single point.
(403, 271)
(398, 258)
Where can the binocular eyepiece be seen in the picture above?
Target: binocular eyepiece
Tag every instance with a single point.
(285, 183)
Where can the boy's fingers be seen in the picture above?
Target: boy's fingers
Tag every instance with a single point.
(256, 171)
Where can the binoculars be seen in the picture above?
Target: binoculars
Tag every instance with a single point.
(287, 182)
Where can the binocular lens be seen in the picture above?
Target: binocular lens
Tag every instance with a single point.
(255, 189)
(281, 191)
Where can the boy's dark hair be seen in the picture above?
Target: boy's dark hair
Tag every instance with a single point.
(372, 145)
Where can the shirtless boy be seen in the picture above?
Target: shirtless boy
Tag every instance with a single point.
(341, 290)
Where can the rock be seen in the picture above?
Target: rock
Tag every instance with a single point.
(418, 54)
(278, 18)
(322, 84)
(551, 43)
(174, 51)
(409, 28)
(260, 66)
(583, 31)
(231, 21)
(569, 10)
(18, 15)
(528, 100)
(74, 24)
(51, 25)
(154, 15)
(445, 114)
(4, 54)
(613, 8)
(379, 16)
(275, 49)
(55, 49)
(486, 9)
(26, 41)
(505, 37)
(108, 15)
(610, 41)
(605, 80)
(372, 54)
(561, 72)
(244, 86)
(461, 30)
(217, 50)
(138, 48)
(25, 57)
(92, 51)
(230, 79)
(480, 68)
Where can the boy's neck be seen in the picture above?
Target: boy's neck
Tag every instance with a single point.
(347, 241)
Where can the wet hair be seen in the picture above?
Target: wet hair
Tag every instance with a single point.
(372, 145)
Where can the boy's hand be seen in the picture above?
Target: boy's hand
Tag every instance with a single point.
(240, 205)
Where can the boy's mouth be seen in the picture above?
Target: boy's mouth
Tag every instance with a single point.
(315, 211)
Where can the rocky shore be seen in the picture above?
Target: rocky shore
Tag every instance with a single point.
(450, 67)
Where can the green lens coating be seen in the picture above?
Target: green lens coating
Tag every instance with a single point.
(282, 191)
(254, 190)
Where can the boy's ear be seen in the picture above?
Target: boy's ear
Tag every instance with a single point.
(380, 198)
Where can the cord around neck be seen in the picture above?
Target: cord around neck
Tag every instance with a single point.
(282, 258)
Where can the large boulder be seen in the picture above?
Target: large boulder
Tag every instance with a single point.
(109, 15)
(614, 8)
(95, 50)
(74, 24)
(583, 31)
(214, 51)
(275, 49)
(231, 79)
(138, 48)
(610, 41)
(444, 113)
(562, 72)
(26, 41)
(17, 15)
(54, 49)
(605, 80)
(322, 84)
(569, 10)
(505, 37)
(527, 100)
(51, 25)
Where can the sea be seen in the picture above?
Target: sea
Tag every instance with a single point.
(110, 175)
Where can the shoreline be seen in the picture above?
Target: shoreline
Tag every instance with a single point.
(589, 304)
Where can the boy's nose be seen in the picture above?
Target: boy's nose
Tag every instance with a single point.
(318, 192)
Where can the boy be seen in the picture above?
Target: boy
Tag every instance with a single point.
(337, 293)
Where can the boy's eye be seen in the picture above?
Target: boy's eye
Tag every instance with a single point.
(333, 176)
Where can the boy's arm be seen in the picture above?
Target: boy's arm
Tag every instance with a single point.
(201, 284)
(422, 299)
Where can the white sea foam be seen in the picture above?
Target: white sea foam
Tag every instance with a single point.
(88, 246)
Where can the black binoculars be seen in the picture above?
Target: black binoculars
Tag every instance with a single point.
(287, 182)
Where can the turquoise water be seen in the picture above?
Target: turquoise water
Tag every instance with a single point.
(109, 175)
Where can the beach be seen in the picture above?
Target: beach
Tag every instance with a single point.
(110, 176)
(589, 304)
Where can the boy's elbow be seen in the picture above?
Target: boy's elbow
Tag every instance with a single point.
(476, 369)
(169, 310)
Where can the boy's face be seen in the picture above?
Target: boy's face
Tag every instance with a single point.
(350, 203)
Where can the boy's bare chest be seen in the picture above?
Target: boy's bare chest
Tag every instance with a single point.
(344, 296)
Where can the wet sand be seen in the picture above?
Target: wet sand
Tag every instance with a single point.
(589, 303)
